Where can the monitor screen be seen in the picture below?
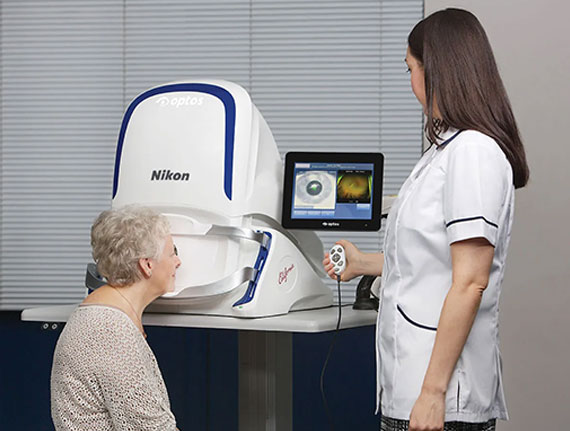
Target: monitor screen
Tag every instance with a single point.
(341, 191)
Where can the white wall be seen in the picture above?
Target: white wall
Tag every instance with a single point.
(532, 46)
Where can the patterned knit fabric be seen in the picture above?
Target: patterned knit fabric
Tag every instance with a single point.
(105, 376)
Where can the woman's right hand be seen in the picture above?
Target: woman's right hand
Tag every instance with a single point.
(353, 257)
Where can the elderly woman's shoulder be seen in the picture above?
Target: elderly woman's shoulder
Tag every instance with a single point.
(98, 342)
(100, 327)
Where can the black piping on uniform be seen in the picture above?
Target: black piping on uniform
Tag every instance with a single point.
(419, 325)
(461, 220)
(447, 141)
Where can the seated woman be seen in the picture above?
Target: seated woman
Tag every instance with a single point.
(104, 375)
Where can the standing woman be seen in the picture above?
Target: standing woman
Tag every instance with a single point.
(104, 375)
(447, 235)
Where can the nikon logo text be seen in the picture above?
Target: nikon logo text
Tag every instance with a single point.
(168, 175)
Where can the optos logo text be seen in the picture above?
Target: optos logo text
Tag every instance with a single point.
(177, 102)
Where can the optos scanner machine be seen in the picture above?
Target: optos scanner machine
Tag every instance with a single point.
(202, 154)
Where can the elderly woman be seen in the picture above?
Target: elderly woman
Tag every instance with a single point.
(105, 376)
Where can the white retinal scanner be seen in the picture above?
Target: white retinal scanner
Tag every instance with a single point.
(202, 154)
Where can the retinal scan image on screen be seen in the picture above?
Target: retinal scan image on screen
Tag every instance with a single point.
(332, 191)
(354, 186)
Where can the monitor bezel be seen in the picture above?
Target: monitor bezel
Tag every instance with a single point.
(332, 224)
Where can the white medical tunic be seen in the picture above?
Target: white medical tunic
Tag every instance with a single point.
(460, 189)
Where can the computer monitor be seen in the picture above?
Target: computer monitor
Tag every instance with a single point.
(333, 191)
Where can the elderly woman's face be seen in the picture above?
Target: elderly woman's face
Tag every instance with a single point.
(165, 268)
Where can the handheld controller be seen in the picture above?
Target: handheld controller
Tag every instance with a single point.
(338, 259)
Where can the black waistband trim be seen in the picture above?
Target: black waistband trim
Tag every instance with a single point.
(419, 325)
(461, 220)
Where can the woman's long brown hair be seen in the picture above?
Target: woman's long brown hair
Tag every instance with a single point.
(462, 78)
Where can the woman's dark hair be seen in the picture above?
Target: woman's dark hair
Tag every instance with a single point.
(461, 76)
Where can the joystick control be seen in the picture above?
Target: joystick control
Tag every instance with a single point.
(338, 259)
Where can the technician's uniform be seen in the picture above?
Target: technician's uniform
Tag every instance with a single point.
(461, 189)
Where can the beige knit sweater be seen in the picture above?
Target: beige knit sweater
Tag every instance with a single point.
(105, 376)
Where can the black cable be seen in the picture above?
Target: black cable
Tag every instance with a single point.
(325, 404)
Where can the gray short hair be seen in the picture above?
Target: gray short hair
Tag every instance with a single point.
(120, 237)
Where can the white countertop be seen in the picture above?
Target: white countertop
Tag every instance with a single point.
(321, 320)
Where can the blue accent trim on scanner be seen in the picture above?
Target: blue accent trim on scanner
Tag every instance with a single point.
(219, 92)
(259, 264)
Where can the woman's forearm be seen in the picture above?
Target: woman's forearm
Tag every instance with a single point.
(457, 316)
(371, 263)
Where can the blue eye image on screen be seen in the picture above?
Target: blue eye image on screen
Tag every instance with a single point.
(315, 189)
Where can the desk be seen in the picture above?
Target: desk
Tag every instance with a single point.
(265, 353)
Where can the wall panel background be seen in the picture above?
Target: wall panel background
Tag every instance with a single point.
(327, 75)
